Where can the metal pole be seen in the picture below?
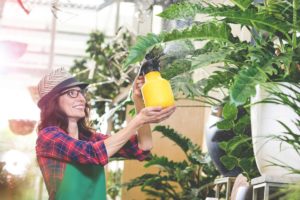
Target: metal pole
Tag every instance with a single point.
(52, 45)
(2, 3)
(117, 16)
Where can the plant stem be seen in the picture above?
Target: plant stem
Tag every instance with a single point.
(295, 7)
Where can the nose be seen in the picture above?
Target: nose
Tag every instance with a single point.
(81, 97)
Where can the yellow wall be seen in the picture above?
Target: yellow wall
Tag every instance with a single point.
(187, 121)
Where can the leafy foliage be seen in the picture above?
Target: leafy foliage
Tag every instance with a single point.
(238, 150)
(272, 55)
(273, 26)
(102, 68)
(219, 31)
(187, 179)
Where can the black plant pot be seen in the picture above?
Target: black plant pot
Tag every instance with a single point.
(213, 137)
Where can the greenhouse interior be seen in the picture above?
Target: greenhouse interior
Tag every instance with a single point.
(150, 99)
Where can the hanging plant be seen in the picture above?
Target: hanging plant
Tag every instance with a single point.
(21, 126)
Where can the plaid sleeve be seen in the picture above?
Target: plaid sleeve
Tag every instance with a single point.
(55, 143)
(129, 150)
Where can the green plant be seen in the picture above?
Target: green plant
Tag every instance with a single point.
(272, 54)
(189, 179)
(290, 136)
(114, 183)
(103, 70)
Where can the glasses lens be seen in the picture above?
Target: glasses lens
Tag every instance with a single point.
(74, 93)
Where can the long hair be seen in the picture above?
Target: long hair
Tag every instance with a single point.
(52, 115)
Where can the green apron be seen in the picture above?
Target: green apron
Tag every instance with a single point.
(82, 182)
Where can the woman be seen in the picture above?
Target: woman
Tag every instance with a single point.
(70, 154)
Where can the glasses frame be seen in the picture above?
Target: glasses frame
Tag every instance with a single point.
(77, 91)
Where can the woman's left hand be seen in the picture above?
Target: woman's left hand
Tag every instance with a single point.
(137, 86)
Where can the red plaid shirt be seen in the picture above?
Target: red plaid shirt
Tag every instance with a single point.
(55, 148)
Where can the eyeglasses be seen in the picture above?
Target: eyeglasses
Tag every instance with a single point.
(73, 93)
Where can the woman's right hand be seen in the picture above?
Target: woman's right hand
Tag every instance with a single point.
(154, 114)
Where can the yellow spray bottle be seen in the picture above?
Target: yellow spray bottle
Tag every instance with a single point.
(156, 91)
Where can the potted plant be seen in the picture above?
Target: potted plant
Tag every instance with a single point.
(188, 179)
(272, 54)
(228, 127)
(275, 117)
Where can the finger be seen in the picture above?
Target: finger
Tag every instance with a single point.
(139, 82)
(168, 109)
(154, 109)
(165, 115)
(140, 85)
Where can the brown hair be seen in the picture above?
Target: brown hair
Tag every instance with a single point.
(52, 115)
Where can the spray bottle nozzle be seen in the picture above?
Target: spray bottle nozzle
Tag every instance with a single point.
(150, 64)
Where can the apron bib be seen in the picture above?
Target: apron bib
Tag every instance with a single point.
(82, 182)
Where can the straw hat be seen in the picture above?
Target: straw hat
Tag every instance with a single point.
(55, 82)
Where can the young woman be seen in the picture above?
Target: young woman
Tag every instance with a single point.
(71, 155)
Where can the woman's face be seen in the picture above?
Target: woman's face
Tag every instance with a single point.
(72, 103)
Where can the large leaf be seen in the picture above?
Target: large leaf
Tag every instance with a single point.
(143, 44)
(183, 85)
(246, 164)
(177, 67)
(229, 161)
(250, 16)
(181, 11)
(236, 142)
(181, 141)
(165, 163)
(212, 30)
(244, 85)
(206, 59)
(225, 124)
(229, 111)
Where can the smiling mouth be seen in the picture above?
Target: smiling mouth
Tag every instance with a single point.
(79, 107)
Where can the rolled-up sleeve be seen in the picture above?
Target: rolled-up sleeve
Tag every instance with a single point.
(53, 142)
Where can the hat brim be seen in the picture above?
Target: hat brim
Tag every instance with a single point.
(71, 82)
